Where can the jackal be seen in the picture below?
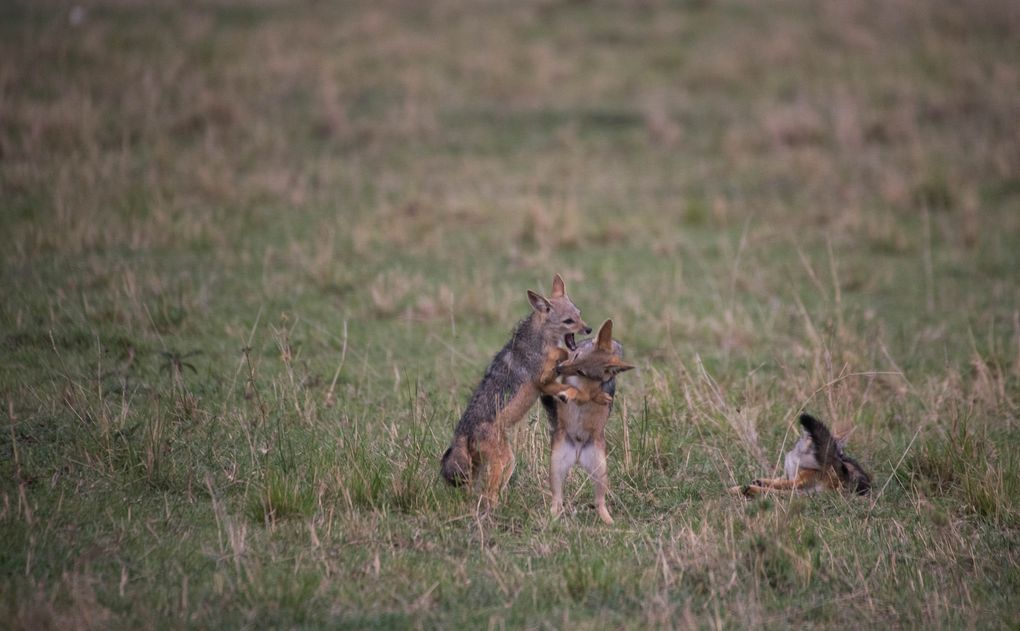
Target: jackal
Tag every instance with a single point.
(578, 417)
(815, 463)
(518, 374)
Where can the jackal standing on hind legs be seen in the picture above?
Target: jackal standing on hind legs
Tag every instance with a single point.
(518, 374)
(577, 422)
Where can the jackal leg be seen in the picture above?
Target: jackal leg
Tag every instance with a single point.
(602, 398)
(548, 372)
(570, 394)
(546, 381)
(561, 458)
(593, 459)
(564, 393)
(498, 461)
(806, 479)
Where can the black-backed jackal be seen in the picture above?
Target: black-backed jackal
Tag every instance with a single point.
(815, 463)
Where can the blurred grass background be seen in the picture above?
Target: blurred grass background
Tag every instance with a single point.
(255, 256)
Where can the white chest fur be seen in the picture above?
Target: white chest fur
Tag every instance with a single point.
(791, 464)
(580, 420)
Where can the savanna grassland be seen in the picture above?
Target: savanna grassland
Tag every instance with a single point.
(255, 256)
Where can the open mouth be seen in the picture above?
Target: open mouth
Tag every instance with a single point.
(568, 339)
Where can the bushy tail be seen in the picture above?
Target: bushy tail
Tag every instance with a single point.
(456, 462)
(824, 443)
(829, 454)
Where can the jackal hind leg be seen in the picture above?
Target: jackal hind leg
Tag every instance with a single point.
(593, 459)
(497, 459)
(561, 458)
(805, 479)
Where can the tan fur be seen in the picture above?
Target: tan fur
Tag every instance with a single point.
(524, 369)
(588, 435)
(495, 450)
(581, 416)
(807, 480)
(816, 462)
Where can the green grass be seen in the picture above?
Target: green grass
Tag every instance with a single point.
(256, 256)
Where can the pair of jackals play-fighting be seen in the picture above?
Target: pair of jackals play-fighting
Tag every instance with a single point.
(543, 349)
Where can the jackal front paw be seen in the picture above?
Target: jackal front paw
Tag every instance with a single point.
(744, 490)
(567, 395)
(603, 398)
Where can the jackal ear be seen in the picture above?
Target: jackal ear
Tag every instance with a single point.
(605, 338)
(620, 366)
(539, 303)
(558, 289)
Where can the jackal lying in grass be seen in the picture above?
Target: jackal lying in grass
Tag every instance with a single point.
(815, 463)
(578, 417)
(518, 374)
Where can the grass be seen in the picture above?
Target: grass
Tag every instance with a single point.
(255, 256)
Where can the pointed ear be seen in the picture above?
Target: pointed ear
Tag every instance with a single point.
(621, 366)
(539, 303)
(605, 338)
(558, 289)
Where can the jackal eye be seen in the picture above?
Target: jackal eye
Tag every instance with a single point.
(568, 321)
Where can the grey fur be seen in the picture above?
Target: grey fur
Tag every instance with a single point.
(517, 363)
(514, 365)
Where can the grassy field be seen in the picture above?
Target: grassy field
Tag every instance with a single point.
(255, 256)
